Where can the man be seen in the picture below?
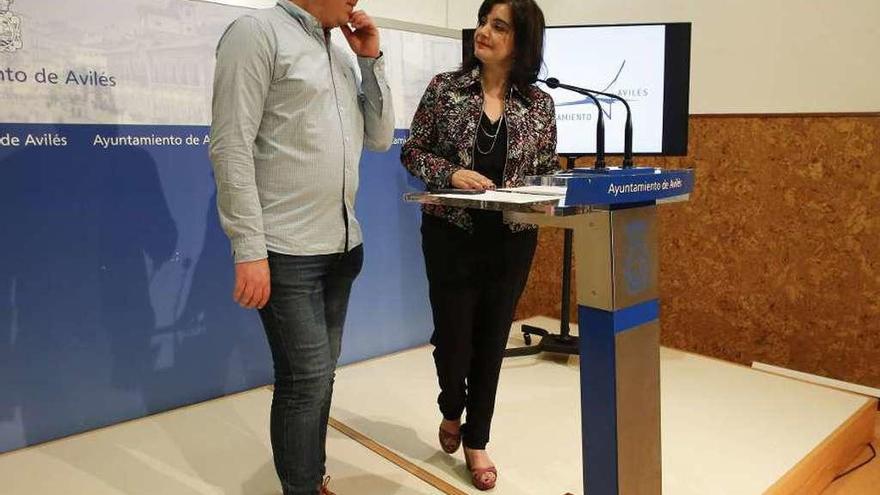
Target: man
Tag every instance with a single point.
(290, 119)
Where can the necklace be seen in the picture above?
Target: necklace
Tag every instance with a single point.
(496, 125)
(493, 136)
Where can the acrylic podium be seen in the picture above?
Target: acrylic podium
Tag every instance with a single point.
(613, 216)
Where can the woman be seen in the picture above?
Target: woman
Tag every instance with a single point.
(483, 126)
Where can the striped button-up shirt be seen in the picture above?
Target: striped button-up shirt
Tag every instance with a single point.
(291, 116)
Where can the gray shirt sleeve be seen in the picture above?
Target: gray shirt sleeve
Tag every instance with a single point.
(376, 104)
(241, 82)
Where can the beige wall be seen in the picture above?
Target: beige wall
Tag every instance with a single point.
(748, 56)
(430, 12)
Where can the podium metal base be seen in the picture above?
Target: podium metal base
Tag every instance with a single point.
(560, 344)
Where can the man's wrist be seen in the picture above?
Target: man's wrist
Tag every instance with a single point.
(251, 261)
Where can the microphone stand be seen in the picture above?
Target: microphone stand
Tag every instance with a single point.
(564, 342)
(554, 83)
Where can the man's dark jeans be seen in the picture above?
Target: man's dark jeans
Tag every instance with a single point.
(303, 322)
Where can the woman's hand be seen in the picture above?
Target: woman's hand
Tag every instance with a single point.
(468, 179)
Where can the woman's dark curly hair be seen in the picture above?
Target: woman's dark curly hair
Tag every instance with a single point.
(528, 41)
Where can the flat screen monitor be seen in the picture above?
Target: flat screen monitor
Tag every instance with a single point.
(648, 64)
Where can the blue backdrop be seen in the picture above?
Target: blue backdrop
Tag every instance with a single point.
(115, 280)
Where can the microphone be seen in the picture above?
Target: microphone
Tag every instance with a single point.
(552, 82)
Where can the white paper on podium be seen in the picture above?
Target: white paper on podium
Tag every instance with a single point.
(505, 196)
(558, 191)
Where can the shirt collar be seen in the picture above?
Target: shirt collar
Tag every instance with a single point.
(309, 22)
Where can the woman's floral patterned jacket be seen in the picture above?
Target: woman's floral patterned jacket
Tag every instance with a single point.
(444, 129)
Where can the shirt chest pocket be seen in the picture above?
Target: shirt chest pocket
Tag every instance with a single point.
(347, 86)
(300, 78)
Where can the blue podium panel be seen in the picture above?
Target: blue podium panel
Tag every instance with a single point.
(626, 186)
(620, 399)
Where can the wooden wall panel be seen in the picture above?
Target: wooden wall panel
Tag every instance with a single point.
(776, 258)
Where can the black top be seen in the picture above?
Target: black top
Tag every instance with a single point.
(490, 152)
(490, 157)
